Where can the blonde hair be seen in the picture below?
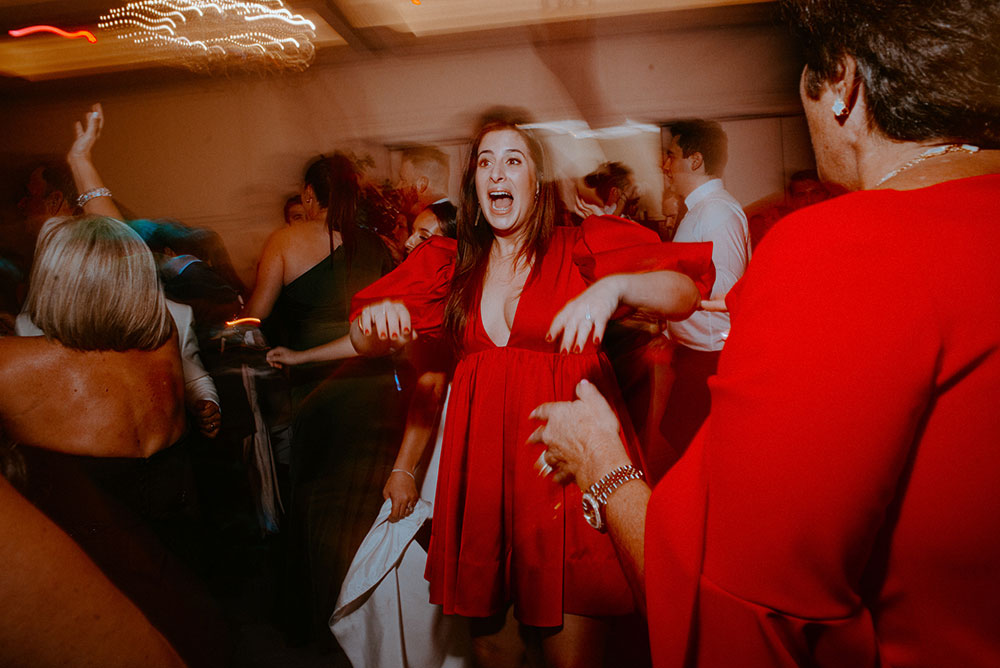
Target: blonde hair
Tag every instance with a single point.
(94, 287)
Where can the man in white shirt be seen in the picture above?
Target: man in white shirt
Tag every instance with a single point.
(693, 165)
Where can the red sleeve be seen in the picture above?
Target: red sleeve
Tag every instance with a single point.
(421, 283)
(612, 245)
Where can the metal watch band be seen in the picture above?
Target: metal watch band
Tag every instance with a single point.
(603, 488)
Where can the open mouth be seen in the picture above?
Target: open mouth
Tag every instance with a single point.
(501, 201)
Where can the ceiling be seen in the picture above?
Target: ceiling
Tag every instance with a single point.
(353, 28)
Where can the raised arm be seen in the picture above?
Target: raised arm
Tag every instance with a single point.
(96, 198)
(666, 294)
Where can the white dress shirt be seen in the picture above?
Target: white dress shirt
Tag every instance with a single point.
(713, 215)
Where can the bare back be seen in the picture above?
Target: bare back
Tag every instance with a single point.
(102, 404)
(289, 253)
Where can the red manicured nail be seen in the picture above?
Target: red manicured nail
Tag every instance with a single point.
(548, 338)
(406, 330)
(393, 336)
(576, 349)
(367, 332)
(597, 340)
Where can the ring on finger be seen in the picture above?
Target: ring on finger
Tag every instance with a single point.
(588, 316)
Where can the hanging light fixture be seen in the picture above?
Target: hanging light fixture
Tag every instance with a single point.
(223, 33)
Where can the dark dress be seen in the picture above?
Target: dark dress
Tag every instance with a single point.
(135, 518)
(348, 422)
(501, 532)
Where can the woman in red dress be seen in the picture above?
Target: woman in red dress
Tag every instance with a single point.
(526, 305)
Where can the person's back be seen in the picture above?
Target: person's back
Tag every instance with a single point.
(96, 403)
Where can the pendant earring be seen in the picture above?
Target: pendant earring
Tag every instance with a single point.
(839, 108)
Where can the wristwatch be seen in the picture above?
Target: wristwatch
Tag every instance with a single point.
(595, 498)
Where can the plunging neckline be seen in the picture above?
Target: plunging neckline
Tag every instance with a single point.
(517, 309)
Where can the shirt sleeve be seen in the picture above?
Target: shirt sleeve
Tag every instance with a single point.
(198, 384)
(611, 245)
(421, 282)
(730, 249)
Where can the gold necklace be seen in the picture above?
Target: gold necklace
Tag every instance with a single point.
(932, 152)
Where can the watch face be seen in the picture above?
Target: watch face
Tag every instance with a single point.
(592, 511)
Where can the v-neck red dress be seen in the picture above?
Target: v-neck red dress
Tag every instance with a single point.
(501, 532)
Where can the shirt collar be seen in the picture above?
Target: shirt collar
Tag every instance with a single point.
(701, 192)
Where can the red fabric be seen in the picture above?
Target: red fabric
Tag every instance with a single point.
(839, 507)
(501, 532)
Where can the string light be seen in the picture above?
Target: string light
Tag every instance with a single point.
(86, 34)
(222, 31)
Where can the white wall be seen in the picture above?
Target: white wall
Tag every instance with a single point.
(224, 152)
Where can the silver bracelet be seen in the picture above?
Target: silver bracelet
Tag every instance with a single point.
(91, 194)
(404, 471)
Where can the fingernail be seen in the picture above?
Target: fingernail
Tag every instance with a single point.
(597, 340)
(576, 349)
(406, 330)
(382, 336)
(393, 336)
(548, 338)
(367, 332)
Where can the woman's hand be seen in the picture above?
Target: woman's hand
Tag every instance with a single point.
(387, 320)
(581, 437)
(586, 316)
(87, 134)
(279, 357)
(208, 417)
(401, 487)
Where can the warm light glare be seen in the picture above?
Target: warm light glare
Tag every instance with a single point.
(243, 321)
(86, 34)
(198, 33)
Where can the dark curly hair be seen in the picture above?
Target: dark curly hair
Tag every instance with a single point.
(931, 68)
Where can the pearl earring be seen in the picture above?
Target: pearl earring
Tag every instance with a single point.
(839, 108)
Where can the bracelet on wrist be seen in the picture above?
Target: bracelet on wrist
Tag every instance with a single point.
(91, 194)
(404, 471)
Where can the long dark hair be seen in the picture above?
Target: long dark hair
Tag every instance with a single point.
(475, 237)
(335, 183)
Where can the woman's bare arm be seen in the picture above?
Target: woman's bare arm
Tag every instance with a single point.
(421, 421)
(57, 608)
(85, 175)
(270, 278)
(667, 294)
(338, 349)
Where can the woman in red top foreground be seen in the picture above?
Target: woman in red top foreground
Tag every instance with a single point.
(513, 293)
(839, 508)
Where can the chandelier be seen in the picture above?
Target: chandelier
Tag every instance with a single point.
(200, 34)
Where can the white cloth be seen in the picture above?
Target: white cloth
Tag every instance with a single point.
(713, 215)
(384, 618)
(198, 384)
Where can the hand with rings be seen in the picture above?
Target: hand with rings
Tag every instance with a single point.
(584, 318)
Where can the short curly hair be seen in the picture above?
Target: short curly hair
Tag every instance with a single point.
(931, 68)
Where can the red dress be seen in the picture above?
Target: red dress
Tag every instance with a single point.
(840, 506)
(501, 532)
